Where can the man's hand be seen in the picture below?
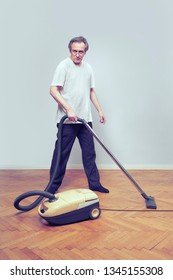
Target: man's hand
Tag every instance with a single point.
(102, 117)
(72, 115)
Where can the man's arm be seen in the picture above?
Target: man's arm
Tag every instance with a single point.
(96, 104)
(55, 93)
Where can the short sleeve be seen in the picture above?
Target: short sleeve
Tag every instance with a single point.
(59, 76)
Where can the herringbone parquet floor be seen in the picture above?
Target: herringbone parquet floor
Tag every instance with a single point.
(125, 230)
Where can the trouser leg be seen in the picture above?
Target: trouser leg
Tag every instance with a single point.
(67, 141)
(89, 156)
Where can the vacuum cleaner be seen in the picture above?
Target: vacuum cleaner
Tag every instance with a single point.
(76, 204)
(70, 206)
(64, 207)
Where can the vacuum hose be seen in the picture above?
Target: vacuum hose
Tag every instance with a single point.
(44, 193)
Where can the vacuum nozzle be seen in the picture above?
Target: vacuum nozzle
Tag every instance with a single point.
(150, 203)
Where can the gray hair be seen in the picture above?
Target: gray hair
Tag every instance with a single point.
(79, 39)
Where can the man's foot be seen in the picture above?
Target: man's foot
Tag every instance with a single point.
(99, 189)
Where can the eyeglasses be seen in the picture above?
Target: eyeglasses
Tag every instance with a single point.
(75, 52)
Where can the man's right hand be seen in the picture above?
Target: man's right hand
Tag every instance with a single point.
(72, 115)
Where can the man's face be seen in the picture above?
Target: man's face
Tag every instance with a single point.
(77, 52)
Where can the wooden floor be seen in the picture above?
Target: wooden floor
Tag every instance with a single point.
(126, 230)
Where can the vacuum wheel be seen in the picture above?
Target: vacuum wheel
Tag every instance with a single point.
(95, 213)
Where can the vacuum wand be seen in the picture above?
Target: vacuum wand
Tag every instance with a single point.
(149, 200)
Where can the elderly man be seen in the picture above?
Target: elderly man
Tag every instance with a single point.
(73, 89)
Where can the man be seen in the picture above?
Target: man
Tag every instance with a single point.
(73, 89)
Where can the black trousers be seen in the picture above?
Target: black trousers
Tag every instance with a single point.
(69, 134)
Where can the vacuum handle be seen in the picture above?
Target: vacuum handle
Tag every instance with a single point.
(114, 158)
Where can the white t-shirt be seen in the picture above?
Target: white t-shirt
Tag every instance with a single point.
(76, 82)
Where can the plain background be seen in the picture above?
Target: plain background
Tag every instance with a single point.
(131, 45)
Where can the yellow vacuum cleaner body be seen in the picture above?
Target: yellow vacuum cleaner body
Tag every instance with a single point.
(70, 206)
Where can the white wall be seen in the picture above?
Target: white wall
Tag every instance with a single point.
(131, 45)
